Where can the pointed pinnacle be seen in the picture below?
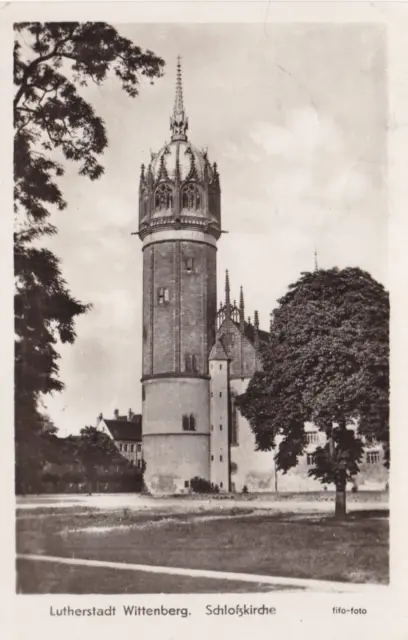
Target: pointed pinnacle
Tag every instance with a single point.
(241, 298)
(227, 289)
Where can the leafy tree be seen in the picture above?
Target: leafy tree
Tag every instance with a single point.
(327, 362)
(54, 124)
(98, 454)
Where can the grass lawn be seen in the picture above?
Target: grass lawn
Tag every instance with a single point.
(320, 547)
(47, 577)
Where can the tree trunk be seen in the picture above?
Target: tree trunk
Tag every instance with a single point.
(340, 509)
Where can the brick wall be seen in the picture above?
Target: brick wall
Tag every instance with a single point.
(183, 325)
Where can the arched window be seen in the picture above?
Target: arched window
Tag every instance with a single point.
(191, 197)
(163, 197)
(190, 363)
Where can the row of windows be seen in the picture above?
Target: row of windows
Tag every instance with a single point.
(220, 394)
(372, 457)
(212, 427)
(212, 458)
(190, 197)
(130, 447)
(187, 484)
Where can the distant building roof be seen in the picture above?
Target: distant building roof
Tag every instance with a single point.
(125, 429)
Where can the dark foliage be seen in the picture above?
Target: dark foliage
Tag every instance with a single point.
(327, 362)
(54, 124)
(200, 485)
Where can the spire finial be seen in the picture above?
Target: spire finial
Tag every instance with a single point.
(316, 266)
(179, 121)
(241, 298)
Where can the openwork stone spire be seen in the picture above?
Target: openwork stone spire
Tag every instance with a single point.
(179, 120)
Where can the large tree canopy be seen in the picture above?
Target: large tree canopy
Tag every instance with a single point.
(55, 124)
(327, 362)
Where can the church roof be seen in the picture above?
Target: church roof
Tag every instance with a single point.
(125, 429)
(180, 156)
(249, 332)
(218, 351)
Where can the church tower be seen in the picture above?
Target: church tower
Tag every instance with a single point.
(179, 225)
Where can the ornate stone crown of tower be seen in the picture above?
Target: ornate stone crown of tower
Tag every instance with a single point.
(179, 225)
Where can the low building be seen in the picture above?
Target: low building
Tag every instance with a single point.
(126, 432)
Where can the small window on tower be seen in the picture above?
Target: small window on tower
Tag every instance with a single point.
(163, 295)
(189, 422)
(220, 458)
(220, 394)
(190, 265)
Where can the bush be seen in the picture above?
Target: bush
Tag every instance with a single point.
(244, 489)
(200, 485)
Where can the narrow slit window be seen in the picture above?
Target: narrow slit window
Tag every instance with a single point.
(163, 295)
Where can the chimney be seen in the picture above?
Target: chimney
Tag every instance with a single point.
(130, 414)
(116, 414)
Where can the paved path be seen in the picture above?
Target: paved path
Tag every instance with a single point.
(137, 502)
(307, 585)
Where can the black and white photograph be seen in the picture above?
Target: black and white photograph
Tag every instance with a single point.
(201, 300)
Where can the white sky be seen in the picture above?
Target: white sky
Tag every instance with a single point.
(295, 118)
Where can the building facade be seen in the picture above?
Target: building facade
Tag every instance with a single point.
(197, 358)
(126, 433)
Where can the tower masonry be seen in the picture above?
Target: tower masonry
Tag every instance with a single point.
(179, 225)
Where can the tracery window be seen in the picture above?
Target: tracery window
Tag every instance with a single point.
(191, 198)
(163, 197)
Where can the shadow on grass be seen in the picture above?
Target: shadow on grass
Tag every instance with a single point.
(365, 514)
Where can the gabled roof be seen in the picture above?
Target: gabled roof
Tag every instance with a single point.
(218, 351)
(125, 429)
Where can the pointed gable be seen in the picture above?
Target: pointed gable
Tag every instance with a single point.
(218, 352)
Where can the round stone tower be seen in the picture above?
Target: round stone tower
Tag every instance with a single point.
(179, 225)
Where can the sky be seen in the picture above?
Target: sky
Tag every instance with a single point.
(295, 117)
